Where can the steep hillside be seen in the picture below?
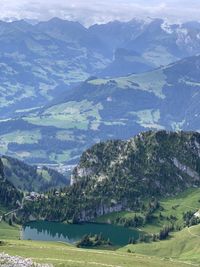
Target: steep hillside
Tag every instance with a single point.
(101, 109)
(9, 195)
(125, 175)
(28, 178)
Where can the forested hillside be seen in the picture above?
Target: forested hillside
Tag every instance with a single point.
(30, 178)
(9, 195)
(125, 175)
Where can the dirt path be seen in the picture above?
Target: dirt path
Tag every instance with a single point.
(189, 231)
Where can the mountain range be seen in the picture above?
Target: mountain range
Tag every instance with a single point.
(40, 61)
(100, 109)
(118, 103)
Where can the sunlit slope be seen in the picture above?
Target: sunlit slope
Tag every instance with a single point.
(68, 256)
(182, 245)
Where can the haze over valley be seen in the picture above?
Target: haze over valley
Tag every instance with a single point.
(99, 133)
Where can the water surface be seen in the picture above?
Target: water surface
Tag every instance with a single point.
(50, 231)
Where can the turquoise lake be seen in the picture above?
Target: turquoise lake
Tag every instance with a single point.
(50, 231)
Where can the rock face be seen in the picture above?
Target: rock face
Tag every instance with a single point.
(86, 215)
(193, 174)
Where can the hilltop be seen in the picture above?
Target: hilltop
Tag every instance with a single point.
(125, 176)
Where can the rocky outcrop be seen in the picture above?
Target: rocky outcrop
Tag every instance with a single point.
(79, 173)
(187, 170)
(15, 261)
(88, 215)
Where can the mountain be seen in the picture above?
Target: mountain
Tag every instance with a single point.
(126, 62)
(101, 109)
(30, 178)
(157, 41)
(40, 61)
(124, 175)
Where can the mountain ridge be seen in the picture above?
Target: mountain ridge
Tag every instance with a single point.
(124, 175)
(30, 80)
(102, 109)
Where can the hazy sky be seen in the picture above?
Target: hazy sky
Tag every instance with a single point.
(95, 11)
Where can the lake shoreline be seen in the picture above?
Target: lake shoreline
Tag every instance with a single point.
(72, 233)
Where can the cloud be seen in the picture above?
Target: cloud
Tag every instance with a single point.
(96, 11)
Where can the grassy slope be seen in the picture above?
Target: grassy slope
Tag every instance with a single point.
(9, 232)
(184, 248)
(68, 115)
(68, 256)
(61, 254)
(180, 250)
(183, 245)
(176, 206)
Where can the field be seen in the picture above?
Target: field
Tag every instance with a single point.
(181, 250)
(61, 254)
(9, 232)
(69, 115)
(183, 245)
(64, 255)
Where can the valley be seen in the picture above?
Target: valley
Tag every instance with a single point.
(116, 108)
(99, 140)
(112, 97)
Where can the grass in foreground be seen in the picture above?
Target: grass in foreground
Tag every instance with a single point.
(9, 232)
(183, 245)
(61, 255)
(180, 250)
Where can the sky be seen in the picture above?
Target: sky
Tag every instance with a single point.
(95, 11)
